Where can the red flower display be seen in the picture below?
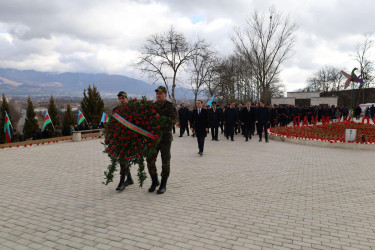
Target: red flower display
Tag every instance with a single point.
(332, 132)
(128, 146)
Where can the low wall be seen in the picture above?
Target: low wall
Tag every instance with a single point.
(47, 141)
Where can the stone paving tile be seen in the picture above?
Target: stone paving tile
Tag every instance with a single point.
(239, 195)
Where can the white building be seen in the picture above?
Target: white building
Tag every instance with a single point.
(305, 99)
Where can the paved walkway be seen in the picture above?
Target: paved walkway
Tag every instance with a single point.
(239, 195)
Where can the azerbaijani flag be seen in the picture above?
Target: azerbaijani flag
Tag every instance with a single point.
(47, 120)
(81, 118)
(105, 118)
(133, 127)
(209, 103)
(8, 137)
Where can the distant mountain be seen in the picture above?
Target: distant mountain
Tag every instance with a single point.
(34, 83)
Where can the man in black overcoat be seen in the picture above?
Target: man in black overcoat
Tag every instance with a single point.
(200, 125)
(230, 119)
(214, 117)
(183, 117)
(262, 118)
(247, 120)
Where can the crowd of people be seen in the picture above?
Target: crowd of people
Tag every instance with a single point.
(233, 119)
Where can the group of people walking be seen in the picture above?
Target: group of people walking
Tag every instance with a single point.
(229, 120)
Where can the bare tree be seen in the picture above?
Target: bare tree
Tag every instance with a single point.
(326, 79)
(366, 66)
(266, 43)
(164, 55)
(202, 66)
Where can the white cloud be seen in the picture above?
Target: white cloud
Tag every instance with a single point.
(104, 36)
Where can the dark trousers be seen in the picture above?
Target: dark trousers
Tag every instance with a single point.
(183, 127)
(230, 130)
(165, 150)
(247, 131)
(252, 128)
(214, 132)
(262, 126)
(200, 143)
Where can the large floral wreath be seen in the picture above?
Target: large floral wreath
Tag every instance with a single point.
(131, 134)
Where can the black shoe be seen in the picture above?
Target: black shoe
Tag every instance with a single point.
(121, 185)
(260, 140)
(163, 186)
(129, 179)
(180, 136)
(216, 139)
(200, 153)
(227, 137)
(231, 139)
(154, 184)
(247, 139)
(212, 139)
(266, 140)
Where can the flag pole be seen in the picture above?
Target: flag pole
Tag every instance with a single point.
(52, 125)
(51, 122)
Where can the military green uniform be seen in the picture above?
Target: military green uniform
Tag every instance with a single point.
(168, 110)
(124, 166)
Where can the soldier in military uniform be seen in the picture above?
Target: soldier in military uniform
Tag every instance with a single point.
(125, 168)
(167, 110)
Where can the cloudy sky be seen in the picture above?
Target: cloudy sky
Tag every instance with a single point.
(99, 36)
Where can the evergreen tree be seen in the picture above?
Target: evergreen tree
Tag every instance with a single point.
(31, 126)
(92, 105)
(4, 107)
(53, 114)
(68, 121)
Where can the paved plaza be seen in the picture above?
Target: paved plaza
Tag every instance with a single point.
(238, 195)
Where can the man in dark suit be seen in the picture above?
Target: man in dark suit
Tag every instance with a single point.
(214, 117)
(262, 118)
(183, 117)
(200, 125)
(247, 120)
(230, 119)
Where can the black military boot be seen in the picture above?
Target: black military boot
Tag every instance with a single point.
(163, 185)
(129, 179)
(154, 184)
(121, 185)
